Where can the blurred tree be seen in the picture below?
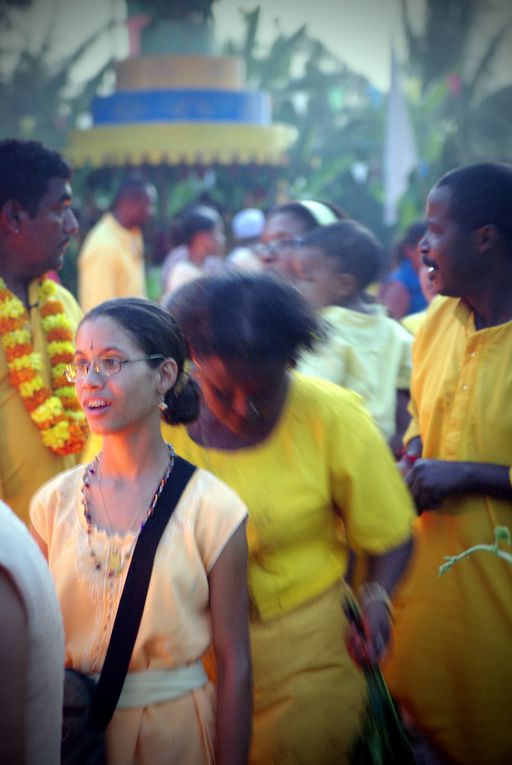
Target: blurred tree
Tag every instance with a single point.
(39, 97)
(338, 114)
(6, 6)
(460, 115)
(189, 10)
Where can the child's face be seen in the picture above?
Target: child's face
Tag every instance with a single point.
(318, 277)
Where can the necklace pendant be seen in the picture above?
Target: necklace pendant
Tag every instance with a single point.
(115, 562)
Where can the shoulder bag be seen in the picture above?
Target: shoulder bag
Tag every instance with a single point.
(89, 706)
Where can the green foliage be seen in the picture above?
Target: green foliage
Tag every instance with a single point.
(39, 99)
(458, 118)
(185, 10)
(336, 111)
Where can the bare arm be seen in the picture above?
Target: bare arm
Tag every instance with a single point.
(402, 418)
(230, 624)
(432, 481)
(384, 571)
(13, 670)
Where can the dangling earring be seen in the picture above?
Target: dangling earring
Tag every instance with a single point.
(162, 405)
(254, 409)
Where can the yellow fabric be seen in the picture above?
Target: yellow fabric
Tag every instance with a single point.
(413, 321)
(110, 263)
(369, 353)
(301, 656)
(25, 463)
(175, 628)
(312, 470)
(451, 659)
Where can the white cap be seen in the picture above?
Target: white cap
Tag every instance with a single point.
(248, 223)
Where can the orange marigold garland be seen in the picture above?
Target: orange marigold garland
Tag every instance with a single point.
(56, 413)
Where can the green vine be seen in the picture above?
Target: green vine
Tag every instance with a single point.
(501, 534)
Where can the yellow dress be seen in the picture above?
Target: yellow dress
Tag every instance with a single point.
(175, 629)
(324, 464)
(25, 463)
(450, 663)
(110, 263)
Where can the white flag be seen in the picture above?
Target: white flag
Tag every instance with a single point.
(400, 156)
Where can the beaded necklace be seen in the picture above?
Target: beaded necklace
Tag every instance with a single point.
(116, 560)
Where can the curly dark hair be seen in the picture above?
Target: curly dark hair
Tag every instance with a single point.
(244, 316)
(355, 248)
(26, 168)
(481, 194)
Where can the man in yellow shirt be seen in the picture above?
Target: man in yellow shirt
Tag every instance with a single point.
(111, 261)
(42, 430)
(450, 666)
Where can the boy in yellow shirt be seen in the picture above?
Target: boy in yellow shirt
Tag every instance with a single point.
(363, 349)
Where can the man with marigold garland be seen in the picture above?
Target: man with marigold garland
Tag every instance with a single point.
(42, 429)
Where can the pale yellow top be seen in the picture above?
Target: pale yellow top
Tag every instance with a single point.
(110, 263)
(175, 627)
(451, 664)
(369, 353)
(25, 463)
(182, 273)
(325, 460)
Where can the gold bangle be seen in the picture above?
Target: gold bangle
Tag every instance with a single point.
(369, 592)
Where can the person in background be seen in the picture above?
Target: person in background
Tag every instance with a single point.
(284, 226)
(362, 349)
(129, 372)
(42, 429)
(247, 227)
(304, 456)
(400, 291)
(449, 665)
(31, 650)
(198, 247)
(413, 321)
(111, 259)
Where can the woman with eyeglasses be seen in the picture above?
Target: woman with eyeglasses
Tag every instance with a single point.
(129, 371)
(318, 479)
(284, 227)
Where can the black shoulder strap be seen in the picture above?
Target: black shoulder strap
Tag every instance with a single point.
(133, 598)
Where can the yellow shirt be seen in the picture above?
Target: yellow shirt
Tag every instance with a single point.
(451, 658)
(110, 264)
(369, 353)
(413, 321)
(324, 460)
(25, 463)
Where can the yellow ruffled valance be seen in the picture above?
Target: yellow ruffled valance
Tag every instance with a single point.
(180, 143)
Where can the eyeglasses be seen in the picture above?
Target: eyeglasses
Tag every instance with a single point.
(278, 246)
(108, 366)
